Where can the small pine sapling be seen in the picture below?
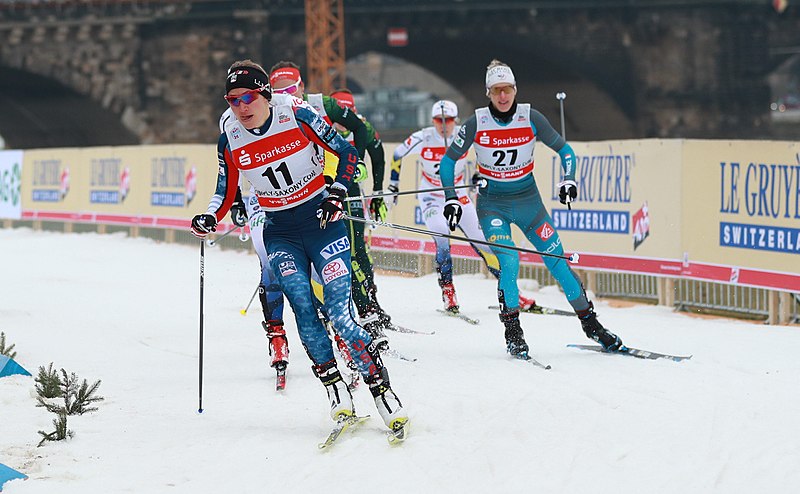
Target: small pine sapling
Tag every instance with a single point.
(76, 399)
(61, 433)
(7, 351)
(48, 385)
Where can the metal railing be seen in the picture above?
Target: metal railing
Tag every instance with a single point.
(742, 300)
(627, 285)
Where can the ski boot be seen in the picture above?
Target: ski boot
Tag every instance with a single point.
(449, 297)
(388, 404)
(278, 345)
(338, 394)
(373, 325)
(384, 319)
(341, 345)
(515, 339)
(594, 330)
(525, 303)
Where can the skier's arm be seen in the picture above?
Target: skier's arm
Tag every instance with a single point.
(401, 151)
(350, 121)
(459, 147)
(546, 134)
(227, 181)
(318, 131)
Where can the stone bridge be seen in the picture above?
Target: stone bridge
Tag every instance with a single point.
(93, 72)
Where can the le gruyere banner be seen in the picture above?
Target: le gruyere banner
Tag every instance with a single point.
(741, 203)
(125, 183)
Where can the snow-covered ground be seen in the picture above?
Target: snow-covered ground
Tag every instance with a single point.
(126, 311)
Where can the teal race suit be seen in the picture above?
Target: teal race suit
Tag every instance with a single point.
(504, 150)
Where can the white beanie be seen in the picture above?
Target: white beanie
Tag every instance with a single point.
(447, 107)
(499, 74)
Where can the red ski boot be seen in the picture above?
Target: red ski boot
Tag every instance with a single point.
(449, 297)
(526, 304)
(278, 349)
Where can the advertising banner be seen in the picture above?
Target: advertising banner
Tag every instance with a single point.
(628, 200)
(741, 204)
(11, 184)
(146, 185)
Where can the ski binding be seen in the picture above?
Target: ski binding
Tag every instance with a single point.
(459, 315)
(342, 425)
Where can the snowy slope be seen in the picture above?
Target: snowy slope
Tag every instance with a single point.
(126, 311)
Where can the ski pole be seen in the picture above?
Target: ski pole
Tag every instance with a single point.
(212, 243)
(572, 258)
(202, 276)
(244, 311)
(481, 183)
(561, 97)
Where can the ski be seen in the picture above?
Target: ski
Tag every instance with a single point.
(280, 378)
(398, 434)
(459, 315)
(527, 358)
(391, 352)
(341, 425)
(633, 352)
(538, 309)
(403, 329)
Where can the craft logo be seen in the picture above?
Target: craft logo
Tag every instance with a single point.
(236, 133)
(50, 181)
(545, 231)
(170, 184)
(110, 183)
(641, 226)
(334, 269)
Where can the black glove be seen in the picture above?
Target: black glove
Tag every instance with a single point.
(377, 208)
(452, 213)
(394, 189)
(238, 213)
(478, 181)
(567, 189)
(331, 208)
(203, 224)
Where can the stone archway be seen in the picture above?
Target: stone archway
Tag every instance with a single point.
(38, 112)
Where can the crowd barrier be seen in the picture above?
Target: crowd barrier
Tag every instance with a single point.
(695, 224)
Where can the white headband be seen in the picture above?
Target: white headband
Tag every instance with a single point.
(499, 74)
(447, 107)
